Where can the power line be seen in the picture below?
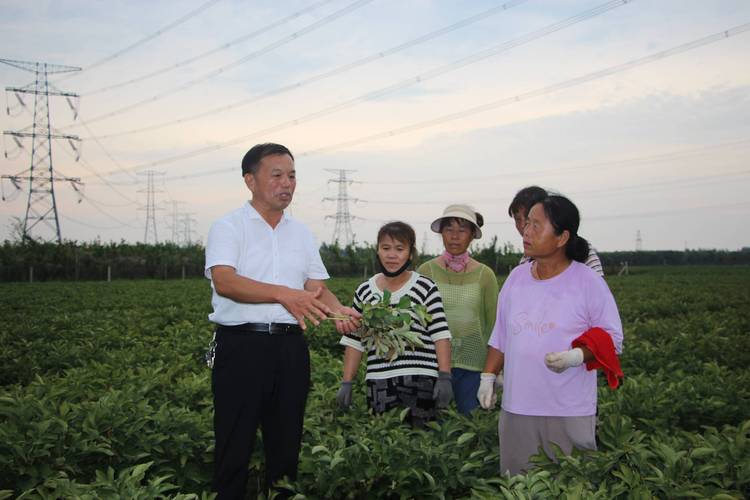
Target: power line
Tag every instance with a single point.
(104, 212)
(223, 69)
(104, 182)
(667, 156)
(453, 180)
(92, 226)
(680, 183)
(101, 146)
(539, 92)
(326, 74)
(635, 215)
(669, 213)
(150, 37)
(398, 86)
(484, 107)
(224, 46)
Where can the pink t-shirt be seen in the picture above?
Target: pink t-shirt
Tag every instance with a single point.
(535, 317)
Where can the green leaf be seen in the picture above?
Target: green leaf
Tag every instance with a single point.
(404, 413)
(466, 436)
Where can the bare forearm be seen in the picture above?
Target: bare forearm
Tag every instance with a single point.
(494, 362)
(443, 352)
(352, 357)
(328, 298)
(246, 290)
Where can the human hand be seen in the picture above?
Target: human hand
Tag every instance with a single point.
(347, 325)
(344, 395)
(443, 391)
(489, 384)
(560, 361)
(304, 304)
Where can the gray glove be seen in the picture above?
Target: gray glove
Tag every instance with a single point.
(344, 396)
(443, 391)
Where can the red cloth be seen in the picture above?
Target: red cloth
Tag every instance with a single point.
(600, 344)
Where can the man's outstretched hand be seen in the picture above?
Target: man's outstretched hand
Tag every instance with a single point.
(304, 304)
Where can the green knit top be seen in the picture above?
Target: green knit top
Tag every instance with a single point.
(470, 301)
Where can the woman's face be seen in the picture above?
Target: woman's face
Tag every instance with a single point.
(457, 236)
(393, 253)
(539, 238)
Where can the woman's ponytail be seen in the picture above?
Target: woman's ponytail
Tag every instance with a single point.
(577, 249)
(564, 216)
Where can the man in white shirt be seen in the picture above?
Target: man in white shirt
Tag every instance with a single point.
(267, 278)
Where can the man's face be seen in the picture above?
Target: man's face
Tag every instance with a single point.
(273, 183)
(519, 217)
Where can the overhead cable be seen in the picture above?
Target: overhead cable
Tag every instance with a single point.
(223, 69)
(224, 46)
(147, 38)
(671, 155)
(398, 86)
(648, 159)
(733, 176)
(324, 75)
(538, 92)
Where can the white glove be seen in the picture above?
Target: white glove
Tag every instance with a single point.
(561, 361)
(489, 384)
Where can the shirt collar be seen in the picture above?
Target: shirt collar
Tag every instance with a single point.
(253, 214)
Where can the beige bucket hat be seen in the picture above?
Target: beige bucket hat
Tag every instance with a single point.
(460, 211)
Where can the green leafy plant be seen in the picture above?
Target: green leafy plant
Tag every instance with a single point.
(99, 380)
(387, 327)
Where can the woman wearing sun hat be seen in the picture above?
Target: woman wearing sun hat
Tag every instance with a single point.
(469, 290)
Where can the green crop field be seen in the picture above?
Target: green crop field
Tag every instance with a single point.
(104, 395)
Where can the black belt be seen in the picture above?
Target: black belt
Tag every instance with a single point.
(262, 328)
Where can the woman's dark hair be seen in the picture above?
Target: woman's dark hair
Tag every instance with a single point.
(400, 231)
(446, 221)
(526, 198)
(564, 216)
(252, 158)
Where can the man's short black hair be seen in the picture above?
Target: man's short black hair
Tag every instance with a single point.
(252, 158)
(526, 198)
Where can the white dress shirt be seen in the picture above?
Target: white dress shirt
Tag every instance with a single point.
(287, 255)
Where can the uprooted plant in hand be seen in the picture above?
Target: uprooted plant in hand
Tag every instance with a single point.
(387, 327)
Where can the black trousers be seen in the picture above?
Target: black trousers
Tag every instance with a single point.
(258, 379)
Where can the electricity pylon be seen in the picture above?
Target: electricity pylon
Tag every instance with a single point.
(41, 207)
(150, 207)
(342, 231)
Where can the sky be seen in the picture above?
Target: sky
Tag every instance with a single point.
(631, 109)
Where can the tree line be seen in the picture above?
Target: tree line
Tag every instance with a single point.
(30, 261)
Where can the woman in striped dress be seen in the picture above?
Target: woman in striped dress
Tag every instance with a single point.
(419, 379)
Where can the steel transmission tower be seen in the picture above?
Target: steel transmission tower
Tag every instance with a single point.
(342, 231)
(638, 241)
(150, 207)
(175, 223)
(41, 207)
(188, 221)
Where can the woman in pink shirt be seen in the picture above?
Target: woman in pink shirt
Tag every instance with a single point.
(549, 396)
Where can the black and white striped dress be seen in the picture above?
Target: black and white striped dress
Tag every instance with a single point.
(421, 361)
